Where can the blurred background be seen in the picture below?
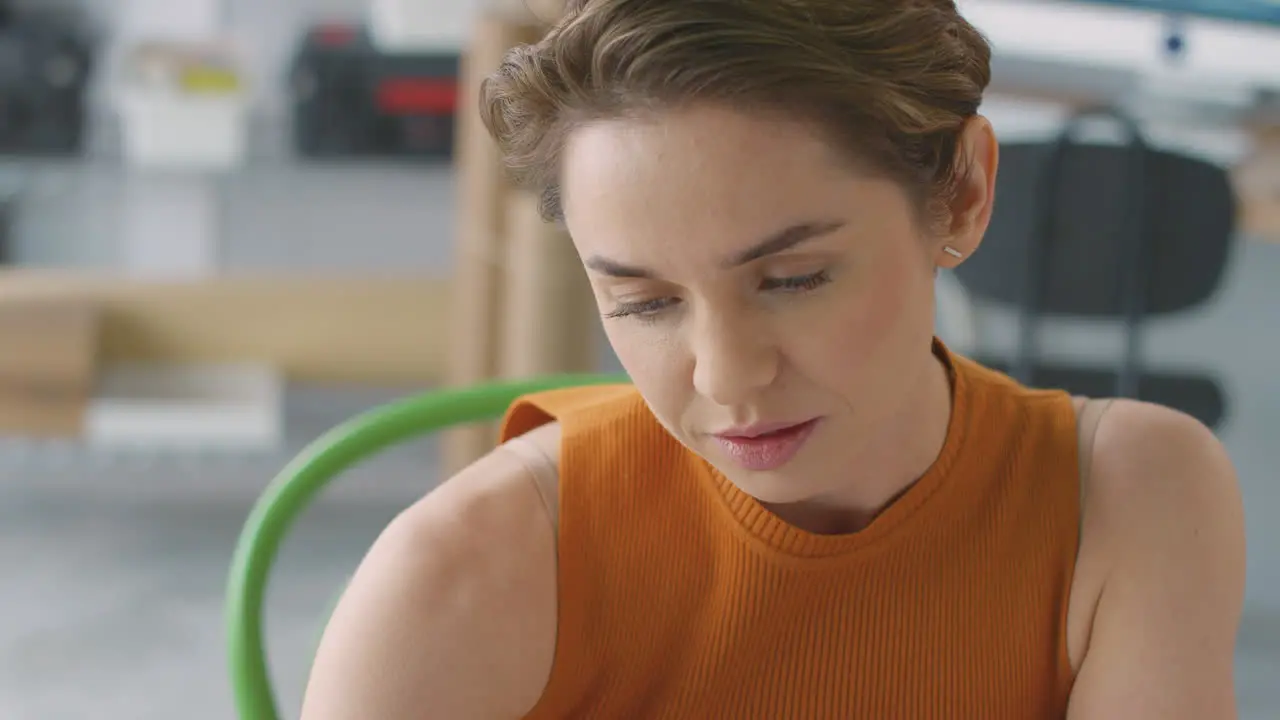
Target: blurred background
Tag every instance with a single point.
(227, 225)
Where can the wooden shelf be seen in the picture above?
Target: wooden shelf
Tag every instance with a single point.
(371, 329)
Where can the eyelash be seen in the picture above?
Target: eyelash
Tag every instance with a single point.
(648, 309)
(798, 283)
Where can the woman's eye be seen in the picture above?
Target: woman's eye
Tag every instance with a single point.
(644, 309)
(797, 283)
(649, 310)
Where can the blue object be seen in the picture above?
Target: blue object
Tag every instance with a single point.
(1250, 11)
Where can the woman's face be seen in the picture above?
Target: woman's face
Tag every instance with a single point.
(749, 281)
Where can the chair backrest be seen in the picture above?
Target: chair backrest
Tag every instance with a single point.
(1078, 204)
(322, 461)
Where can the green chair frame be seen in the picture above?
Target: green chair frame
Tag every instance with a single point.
(290, 492)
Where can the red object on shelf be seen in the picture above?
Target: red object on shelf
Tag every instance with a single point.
(417, 96)
(335, 34)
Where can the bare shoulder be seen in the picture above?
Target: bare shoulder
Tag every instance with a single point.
(1158, 479)
(453, 610)
(1151, 460)
(1164, 529)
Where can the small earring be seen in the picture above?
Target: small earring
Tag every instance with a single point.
(952, 251)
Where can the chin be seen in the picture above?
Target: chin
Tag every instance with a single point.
(776, 487)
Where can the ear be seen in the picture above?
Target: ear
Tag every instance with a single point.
(977, 161)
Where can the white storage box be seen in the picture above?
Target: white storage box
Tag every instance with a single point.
(182, 108)
(170, 131)
(187, 407)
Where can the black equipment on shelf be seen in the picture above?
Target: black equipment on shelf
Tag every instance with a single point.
(46, 59)
(351, 99)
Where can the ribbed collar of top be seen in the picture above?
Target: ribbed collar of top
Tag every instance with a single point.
(774, 535)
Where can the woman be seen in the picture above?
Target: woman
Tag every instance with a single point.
(806, 507)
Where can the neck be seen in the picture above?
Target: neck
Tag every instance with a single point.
(899, 453)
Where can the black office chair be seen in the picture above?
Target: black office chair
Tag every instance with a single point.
(1122, 231)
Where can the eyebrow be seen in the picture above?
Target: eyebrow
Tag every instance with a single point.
(775, 243)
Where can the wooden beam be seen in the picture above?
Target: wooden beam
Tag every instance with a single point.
(1257, 182)
(545, 10)
(480, 254)
(550, 323)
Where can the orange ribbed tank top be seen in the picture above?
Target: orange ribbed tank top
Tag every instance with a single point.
(682, 597)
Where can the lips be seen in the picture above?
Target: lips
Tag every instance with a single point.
(752, 432)
(765, 447)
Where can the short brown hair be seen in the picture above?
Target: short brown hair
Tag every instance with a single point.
(891, 82)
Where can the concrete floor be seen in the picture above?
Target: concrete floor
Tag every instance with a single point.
(114, 566)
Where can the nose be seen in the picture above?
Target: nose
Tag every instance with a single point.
(733, 360)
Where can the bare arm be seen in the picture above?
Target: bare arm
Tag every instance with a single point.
(452, 612)
(1163, 638)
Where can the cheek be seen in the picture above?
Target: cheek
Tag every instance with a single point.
(889, 303)
(879, 315)
(653, 358)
